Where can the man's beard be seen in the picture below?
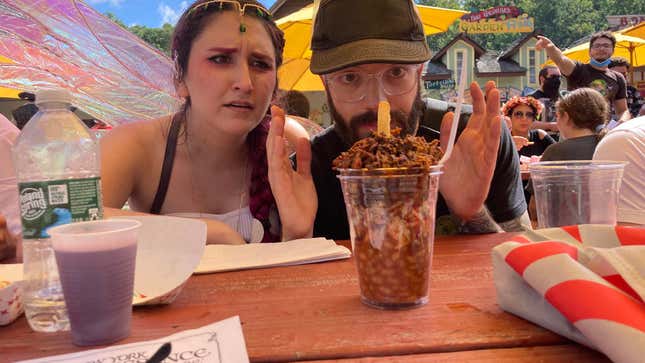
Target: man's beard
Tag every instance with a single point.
(350, 131)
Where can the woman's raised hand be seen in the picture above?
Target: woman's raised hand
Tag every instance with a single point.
(293, 190)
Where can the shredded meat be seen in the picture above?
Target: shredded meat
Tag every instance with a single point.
(379, 151)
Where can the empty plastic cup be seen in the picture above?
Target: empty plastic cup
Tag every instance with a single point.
(576, 192)
(391, 215)
(96, 262)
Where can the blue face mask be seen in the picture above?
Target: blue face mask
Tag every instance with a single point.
(602, 64)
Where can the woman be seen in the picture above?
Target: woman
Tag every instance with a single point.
(579, 115)
(209, 160)
(522, 112)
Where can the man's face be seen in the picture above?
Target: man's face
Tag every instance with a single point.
(622, 70)
(601, 49)
(552, 72)
(355, 113)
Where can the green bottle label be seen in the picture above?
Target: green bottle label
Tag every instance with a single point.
(54, 202)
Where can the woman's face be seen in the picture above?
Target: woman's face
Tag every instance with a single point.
(521, 119)
(231, 75)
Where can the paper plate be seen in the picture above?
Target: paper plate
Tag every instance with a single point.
(10, 293)
(168, 252)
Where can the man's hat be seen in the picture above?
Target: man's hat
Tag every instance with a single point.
(352, 32)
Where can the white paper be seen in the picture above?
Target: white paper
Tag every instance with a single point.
(219, 258)
(221, 342)
(168, 250)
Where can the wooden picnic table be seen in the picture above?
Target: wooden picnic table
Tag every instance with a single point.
(313, 313)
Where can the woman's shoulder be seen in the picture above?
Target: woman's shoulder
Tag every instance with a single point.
(147, 133)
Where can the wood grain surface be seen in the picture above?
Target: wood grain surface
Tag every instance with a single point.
(313, 312)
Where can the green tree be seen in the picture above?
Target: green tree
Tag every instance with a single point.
(113, 17)
(156, 37)
(563, 21)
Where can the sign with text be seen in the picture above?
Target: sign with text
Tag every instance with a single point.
(521, 24)
(499, 13)
(439, 84)
(625, 20)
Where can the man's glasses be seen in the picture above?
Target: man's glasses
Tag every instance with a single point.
(352, 85)
(222, 5)
(520, 114)
(602, 45)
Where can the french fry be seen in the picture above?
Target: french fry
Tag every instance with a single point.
(383, 126)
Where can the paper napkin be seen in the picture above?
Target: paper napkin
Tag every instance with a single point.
(10, 292)
(219, 258)
(584, 282)
(221, 342)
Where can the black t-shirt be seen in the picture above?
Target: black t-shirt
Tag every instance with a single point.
(539, 145)
(609, 83)
(548, 114)
(505, 199)
(634, 100)
(578, 148)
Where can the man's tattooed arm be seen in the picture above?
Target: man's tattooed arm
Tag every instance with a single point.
(481, 222)
(519, 224)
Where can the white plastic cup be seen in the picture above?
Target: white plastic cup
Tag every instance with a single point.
(576, 192)
(96, 262)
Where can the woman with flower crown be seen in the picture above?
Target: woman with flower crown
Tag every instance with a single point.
(522, 112)
(209, 159)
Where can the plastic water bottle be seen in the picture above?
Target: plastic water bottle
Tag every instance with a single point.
(57, 163)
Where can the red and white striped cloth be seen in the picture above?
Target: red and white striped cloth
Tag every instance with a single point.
(584, 282)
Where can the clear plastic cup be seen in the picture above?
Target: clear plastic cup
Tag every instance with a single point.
(391, 215)
(96, 263)
(576, 192)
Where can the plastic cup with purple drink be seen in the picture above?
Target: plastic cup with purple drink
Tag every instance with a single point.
(96, 263)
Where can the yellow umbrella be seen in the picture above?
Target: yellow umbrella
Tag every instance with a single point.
(295, 74)
(630, 48)
(7, 92)
(637, 30)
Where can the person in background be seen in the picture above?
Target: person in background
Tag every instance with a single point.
(522, 112)
(634, 99)
(209, 159)
(595, 74)
(24, 113)
(296, 103)
(550, 80)
(9, 206)
(579, 113)
(626, 142)
(379, 55)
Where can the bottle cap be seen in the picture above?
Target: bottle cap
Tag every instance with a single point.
(58, 95)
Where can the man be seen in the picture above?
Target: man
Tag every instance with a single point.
(595, 74)
(296, 103)
(379, 56)
(626, 142)
(24, 113)
(634, 100)
(550, 79)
